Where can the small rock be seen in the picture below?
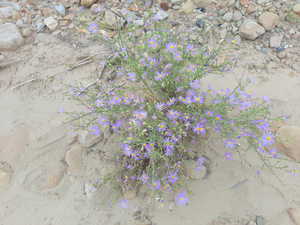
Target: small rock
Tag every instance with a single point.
(188, 7)
(161, 15)
(45, 178)
(275, 41)
(51, 23)
(5, 175)
(251, 30)
(268, 20)
(251, 8)
(200, 23)
(296, 9)
(73, 158)
(26, 32)
(237, 15)
(174, 2)
(294, 214)
(96, 8)
(10, 4)
(10, 37)
(7, 12)
(87, 3)
(260, 220)
(228, 16)
(261, 2)
(60, 9)
(281, 55)
(288, 140)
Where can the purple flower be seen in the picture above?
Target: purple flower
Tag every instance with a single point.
(95, 130)
(173, 177)
(199, 129)
(93, 28)
(171, 47)
(115, 100)
(156, 185)
(104, 121)
(160, 75)
(177, 56)
(228, 156)
(186, 100)
(262, 125)
(209, 113)
(171, 101)
(198, 99)
(182, 199)
(195, 84)
(162, 127)
(230, 143)
(127, 150)
(152, 43)
(218, 117)
(131, 76)
(267, 139)
(123, 203)
(160, 106)
(173, 114)
(140, 114)
(115, 126)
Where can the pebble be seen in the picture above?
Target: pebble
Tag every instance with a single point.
(10, 37)
(26, 31)
(161, 15)
(296, 9)
(251, 30)
(294, 214)
(269, 20)
(188, 7)
(87, 3)
(60, 9)
(73, 158)
(275, 41)
(288, 141)
(6, 173)
(51, 23)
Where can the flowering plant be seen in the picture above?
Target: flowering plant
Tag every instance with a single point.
(158, 105)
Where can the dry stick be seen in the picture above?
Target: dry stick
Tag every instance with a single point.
(85, 61)
(99, 77)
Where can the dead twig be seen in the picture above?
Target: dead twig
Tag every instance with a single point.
(84, 61)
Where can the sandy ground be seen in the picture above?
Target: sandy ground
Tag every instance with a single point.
(34, 141)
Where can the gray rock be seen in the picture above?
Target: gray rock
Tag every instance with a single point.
(7, 12)
(275, 41)
(296, 9)
(51, 23)
(161, 15)
(251, 30)
(60, 9)
(10, 37)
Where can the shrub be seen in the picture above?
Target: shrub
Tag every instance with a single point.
(157, 104)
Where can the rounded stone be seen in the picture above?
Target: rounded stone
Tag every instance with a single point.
(269, 20)
(251, 30)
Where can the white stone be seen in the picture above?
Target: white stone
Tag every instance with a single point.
(10, 37)
(269, 20)
(51, 23)
(251, 30)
